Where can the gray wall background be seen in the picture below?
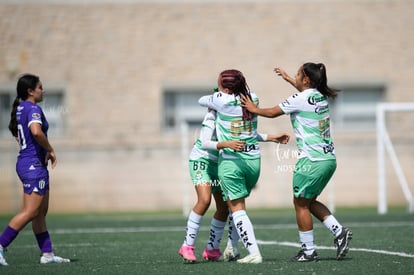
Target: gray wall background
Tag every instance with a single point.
(115, 59)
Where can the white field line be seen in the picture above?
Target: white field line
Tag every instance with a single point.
(109, 230)
(143, 229)
(386, 252)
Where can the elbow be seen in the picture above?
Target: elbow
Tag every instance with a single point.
(275, 112)
(203, 101)
(203, 145)
(36, 134)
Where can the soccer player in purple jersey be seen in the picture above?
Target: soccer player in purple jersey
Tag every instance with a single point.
(29, 126)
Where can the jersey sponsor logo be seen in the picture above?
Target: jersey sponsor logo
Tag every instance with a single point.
(321, 109)
(328, 148)
(249, 147)
(312, 100)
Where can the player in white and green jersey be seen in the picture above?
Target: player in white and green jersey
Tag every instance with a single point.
(309, 113)
(238, 171)
(203, 172)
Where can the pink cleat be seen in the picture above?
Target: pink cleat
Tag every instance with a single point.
(187, 253)
(211, 254)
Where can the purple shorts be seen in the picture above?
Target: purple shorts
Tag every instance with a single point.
(34, 176)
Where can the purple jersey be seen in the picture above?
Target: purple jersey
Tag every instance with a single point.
(28, 113)
(31, 166)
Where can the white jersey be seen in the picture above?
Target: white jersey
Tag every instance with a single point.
(231, 126)
(309, 114)
(207, 133)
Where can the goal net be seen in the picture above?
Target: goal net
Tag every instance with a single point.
(394, 126)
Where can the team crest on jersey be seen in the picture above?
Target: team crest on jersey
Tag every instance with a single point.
(198, 175)
(42, 184)
(36, 115)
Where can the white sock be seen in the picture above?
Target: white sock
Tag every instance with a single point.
(193, 225)
(333, 225)
(306, 240)
(48, 254)
(244, 228)
(216, 233)
(233, 237)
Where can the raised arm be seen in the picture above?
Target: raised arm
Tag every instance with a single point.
(286, 77)
(266, 112)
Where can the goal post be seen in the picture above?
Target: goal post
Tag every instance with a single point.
(385, 147)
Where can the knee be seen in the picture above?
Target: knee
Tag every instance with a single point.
(301, 203)
(204, 202)
(31, 214)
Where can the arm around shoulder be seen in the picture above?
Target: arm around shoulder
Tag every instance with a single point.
(266, 112)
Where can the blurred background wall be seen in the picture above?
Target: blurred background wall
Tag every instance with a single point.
(122, 77)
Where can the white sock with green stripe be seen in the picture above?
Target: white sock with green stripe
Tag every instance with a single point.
(193, 226)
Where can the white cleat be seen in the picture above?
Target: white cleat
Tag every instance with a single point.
(50, 259)
(2, 259)
(251, 259)
(231, 254)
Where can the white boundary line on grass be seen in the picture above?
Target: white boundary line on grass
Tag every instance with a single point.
(107, 230)
(386, 252)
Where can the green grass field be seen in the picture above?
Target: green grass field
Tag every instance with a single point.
(147, 243)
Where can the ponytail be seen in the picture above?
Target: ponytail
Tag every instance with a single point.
(25, 82)
(318, 79)
(13, 119)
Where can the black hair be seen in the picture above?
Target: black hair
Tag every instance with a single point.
(318, 79)
(25, 82)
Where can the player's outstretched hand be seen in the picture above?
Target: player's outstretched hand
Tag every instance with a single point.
(281, 138)
(281, 72)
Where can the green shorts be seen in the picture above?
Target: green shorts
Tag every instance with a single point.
(311, 177)
(238, 177)
(204, 171)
